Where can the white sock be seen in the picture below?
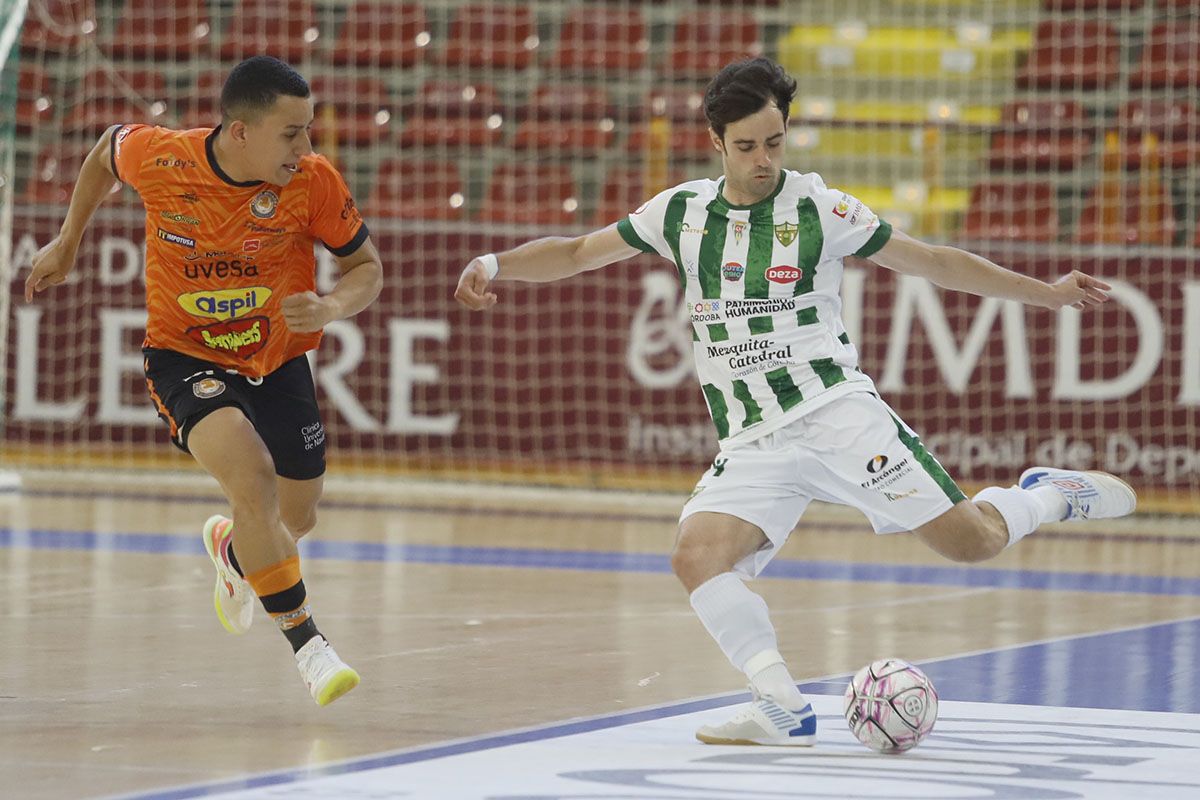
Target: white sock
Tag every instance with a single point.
(735, 616)
(1024, 510)
(769, 675)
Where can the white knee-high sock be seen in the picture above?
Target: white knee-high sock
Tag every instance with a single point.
(1024, 510)
(738, 620)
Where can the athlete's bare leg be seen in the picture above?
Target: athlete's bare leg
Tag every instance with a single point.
(298, 503)
(969, 532)
(226, 444)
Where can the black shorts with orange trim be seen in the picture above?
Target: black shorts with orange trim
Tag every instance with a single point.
(282, 407)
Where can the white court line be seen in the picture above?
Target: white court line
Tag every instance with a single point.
(977, 750)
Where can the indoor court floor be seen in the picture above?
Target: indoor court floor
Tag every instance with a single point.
(534, 644)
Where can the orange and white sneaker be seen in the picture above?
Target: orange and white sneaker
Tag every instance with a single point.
(325, 674)
(233, 598)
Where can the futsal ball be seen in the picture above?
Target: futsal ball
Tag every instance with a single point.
(891, 706)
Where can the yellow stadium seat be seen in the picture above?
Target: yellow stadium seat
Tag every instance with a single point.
(973, 52)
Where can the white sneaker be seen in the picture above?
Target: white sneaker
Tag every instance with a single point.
(1089, 495)
(764, 722)
(233, 598)
(326, 676)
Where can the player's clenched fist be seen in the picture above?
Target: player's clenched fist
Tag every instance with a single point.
(472, 287)
(307, 312)
(51, 266)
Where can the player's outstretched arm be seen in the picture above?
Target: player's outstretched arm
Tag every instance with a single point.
(956, 269)
(540, 261)
(53, 263)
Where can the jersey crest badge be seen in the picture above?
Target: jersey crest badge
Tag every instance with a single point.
(786, 233)
(264, 204)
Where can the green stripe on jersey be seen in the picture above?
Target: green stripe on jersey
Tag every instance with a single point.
(758, 257)
(625, 228)
(753, 411)
(761, 325)
(718, 409)
(811, 243)
(786, 392)
(877, 241)
(829, 373)
(712, 247)
(931, 465)
(673, 228)
(807, 316)
(717, 332)
(844, 338)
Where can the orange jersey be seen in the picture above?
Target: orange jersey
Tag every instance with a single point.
(221, 255)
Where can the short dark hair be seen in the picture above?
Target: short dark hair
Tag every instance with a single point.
(253, 86)
(744, 88)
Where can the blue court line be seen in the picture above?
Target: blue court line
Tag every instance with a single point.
(977, 677)
(599, 561)
(1089, 535)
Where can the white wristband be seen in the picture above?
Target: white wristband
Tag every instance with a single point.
(491, 264)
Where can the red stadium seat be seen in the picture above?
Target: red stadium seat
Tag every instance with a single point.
(492, 36)
(55, 172)
(377, 34)
(1041, 135)
(1012, 211)
(531, 194)
(1170, 57)
(264, 27)
(362, 110)
(417, 189)
(1175, 123)
(148, 29)
(1091, 5)
(705, 41)
(624, 191)
(201, 107)
(35, 99)
(1072, 55)
(106, 99)
(622, 31)
(449, 114)
(57, 26)
(1134, 219)
(567, 119)
(683, 110)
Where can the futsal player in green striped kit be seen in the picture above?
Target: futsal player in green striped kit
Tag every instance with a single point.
(759, 252)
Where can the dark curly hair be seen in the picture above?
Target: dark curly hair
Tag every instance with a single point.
(744, 88)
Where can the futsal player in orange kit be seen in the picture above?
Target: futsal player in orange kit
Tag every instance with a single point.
(232, 214)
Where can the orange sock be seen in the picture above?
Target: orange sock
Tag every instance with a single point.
(281, 590)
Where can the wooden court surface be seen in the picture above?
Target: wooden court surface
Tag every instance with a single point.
(468, 611)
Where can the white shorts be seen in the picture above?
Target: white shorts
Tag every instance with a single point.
(854, 452)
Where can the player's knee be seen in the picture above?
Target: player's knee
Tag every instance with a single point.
(299, 522)
(693, 562)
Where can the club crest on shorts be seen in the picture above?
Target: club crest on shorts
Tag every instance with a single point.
(264, 204)
(208, 387)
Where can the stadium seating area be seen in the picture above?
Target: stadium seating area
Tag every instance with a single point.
(1014, 127)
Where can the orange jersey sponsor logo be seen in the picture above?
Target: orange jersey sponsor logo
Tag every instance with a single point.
(241, 337)
(224, 303)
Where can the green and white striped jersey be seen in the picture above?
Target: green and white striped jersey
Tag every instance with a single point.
(762, 284)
